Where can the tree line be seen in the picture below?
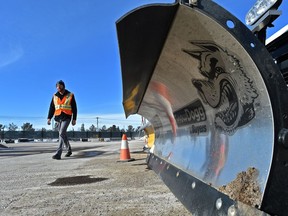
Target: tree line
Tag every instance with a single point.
(29, 127)
(13, 127)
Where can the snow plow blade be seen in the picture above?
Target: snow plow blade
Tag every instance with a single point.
(217, 103)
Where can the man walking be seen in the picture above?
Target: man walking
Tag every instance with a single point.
(63, 107)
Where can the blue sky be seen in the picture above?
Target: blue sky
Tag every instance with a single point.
(76, 41)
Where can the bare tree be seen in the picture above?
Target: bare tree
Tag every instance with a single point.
(27, 127)
(92, 128)
(130, 128)
(82, 129)
(104, 128)
(2, 127)
(12, 127)
(114, 128)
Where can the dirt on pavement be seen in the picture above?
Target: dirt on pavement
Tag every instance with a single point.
(90, 186)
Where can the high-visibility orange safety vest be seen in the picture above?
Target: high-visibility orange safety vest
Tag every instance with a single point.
(63, 105)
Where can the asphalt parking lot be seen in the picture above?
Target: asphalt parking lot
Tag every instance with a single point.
(90, 182)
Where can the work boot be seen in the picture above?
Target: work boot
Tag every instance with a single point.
(68, 154)
(56, 157)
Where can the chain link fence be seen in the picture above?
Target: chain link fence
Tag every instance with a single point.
(10, 136)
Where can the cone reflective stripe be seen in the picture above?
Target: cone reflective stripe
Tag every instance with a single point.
(124, 151)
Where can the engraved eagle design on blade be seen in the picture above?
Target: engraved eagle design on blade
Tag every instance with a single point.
(225, 86)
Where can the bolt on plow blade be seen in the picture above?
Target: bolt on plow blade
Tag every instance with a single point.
(217, 103)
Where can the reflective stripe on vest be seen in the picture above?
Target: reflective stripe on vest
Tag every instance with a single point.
(63, 105)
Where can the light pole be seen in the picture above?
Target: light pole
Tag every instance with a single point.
(97, 122)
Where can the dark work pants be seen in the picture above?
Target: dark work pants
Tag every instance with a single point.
(63, 139)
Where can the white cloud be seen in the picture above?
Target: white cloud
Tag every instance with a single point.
(9, 52)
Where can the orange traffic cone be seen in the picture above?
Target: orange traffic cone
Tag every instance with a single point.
(124, 151)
